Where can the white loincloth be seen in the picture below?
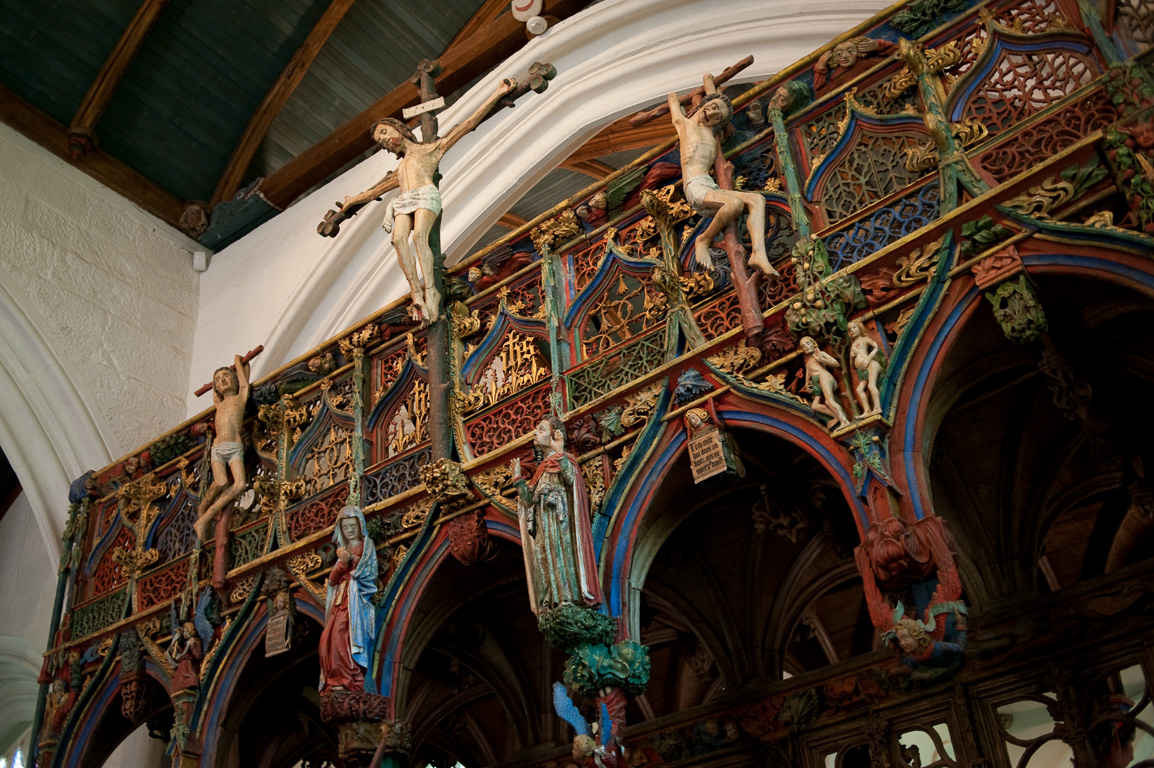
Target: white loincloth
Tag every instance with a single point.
(427, 197)
(696, 189)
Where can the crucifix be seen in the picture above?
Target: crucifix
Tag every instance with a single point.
(413, 216)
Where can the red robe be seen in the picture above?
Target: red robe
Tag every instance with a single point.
(337, 666)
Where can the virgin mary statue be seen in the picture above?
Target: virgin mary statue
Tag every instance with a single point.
(350, 616)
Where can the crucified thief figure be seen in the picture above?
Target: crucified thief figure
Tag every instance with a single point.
(416, 209)
(699, 150)
(229, 394)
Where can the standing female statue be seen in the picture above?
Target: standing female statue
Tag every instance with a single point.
(350, 616)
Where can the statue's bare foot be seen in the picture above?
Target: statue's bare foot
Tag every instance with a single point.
(760, 261)
(432, 304)
(201, 527)
(701, 252)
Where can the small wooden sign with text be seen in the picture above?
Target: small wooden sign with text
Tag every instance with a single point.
(420, 109)
(706, 454)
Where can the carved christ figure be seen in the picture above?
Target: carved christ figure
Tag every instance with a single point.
(556, 533)
(416, 209)
(699, 150)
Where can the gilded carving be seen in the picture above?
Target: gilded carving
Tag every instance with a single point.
(736, 359)
(918, 266)
(555, 231)
(639, 405)
(444, 480)
(415, 516)
(359, 340)
(517, 366)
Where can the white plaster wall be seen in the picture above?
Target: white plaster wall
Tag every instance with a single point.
(27, 589)
(286, 287)
(98, 305)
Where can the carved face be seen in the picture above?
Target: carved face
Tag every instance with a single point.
(780, 98)
(808, 345)
(543, 435)
(714, 112)
(389, 138)
(906, 641)
(224, 382)
(351, 528)
(846, 54)
(855, 329)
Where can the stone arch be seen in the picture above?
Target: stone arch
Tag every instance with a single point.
(625, 560)
(935, 383)
(48, 430)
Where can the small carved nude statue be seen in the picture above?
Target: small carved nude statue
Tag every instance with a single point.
(230, 395)
(699, 148)
(864, 354)
(817, 365)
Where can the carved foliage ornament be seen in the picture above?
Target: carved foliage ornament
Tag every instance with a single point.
(1018, 311)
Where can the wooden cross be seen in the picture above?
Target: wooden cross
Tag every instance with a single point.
(425, 80)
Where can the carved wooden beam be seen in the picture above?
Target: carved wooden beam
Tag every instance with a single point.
(276, 98)
(468, 61)
(487, 13)
(511, 221)
(592, 168)
(619, 136)
(81, 131)
(106, 169)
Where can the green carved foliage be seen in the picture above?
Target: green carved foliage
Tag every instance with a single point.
(823, 306)
(594, 667)
(979, 235)
(569, 626)
(1136, 181)
(1018, 311)
(920, 17)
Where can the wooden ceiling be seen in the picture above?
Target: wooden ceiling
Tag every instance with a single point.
(189, 106)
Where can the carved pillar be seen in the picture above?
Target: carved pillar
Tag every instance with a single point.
(357, 715)
(395, 743)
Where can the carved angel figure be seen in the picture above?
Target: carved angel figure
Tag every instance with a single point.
(595, 744)
(896, 555)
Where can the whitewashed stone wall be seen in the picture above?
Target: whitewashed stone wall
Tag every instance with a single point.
(114, 285)
(98, 305)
